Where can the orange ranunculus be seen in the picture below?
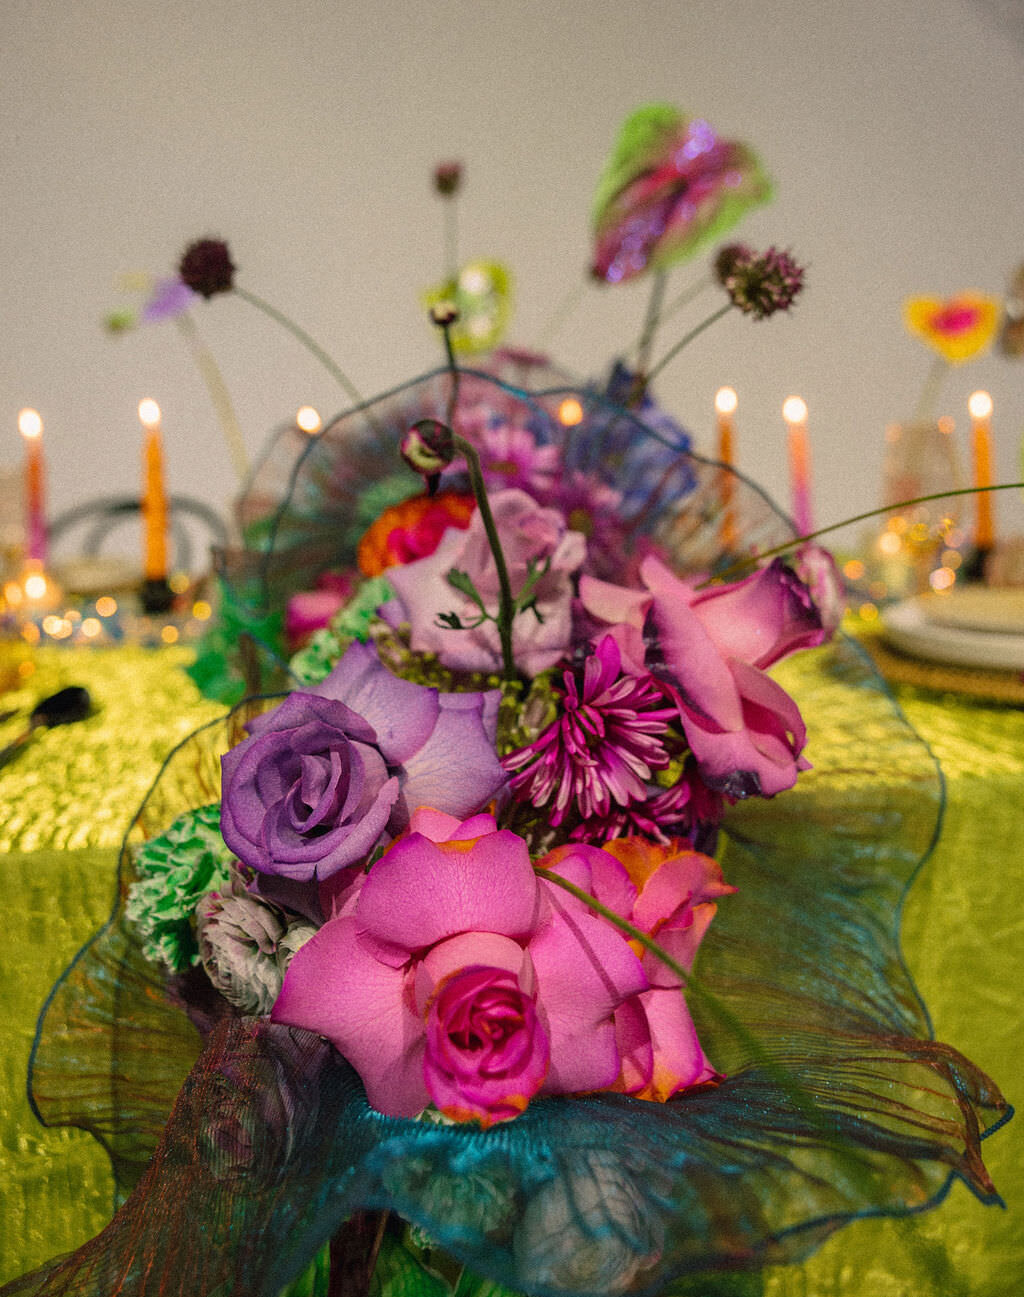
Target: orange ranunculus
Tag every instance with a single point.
(958, 328)
(412, 530)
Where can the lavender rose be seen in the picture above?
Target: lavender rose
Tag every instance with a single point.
(335, 770)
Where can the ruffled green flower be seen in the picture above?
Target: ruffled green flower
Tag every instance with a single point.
(173, 871)
(246, 943)
(316, 659)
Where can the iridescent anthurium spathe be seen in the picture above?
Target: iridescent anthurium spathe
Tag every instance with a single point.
(671, 187)
(957, 328)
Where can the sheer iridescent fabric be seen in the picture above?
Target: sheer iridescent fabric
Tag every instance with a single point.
(836, 1103)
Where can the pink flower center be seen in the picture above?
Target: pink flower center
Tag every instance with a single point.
(955, 318)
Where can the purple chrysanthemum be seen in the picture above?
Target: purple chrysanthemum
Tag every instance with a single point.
(602, 749)
(688, 809)
(759, 283)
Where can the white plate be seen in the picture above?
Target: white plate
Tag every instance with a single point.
(908, 627)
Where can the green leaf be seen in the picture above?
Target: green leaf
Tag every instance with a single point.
(462, 582)
(314, 1280)
(399, 1273)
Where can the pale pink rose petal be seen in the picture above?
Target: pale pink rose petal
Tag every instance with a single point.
(335, 987)
(679, 1060)
(471, 950)
(633, 1040)
(584, 971)
(441, 827)
(420, 893)
(762, 618)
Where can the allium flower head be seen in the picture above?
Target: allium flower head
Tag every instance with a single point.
(604, 746)
(759, 283)
(206, 267)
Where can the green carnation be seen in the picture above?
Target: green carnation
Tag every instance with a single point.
(173, 871)
(352, 622)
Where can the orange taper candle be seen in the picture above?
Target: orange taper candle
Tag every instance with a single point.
(30, 425)
(979, 406)
(154, 495)
(725, 407)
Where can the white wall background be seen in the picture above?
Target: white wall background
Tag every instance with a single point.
(305, 131)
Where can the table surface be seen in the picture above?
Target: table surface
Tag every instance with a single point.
(70, 795)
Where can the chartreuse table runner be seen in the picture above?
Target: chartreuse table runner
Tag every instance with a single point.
(66, 799)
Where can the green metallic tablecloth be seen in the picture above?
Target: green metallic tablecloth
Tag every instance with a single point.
(963, 938)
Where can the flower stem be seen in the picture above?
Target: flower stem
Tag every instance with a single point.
(218, 392)
(506, 602)
(687, 339)
(302, 336)
(677, 303)
(750, 560)
(651, 321)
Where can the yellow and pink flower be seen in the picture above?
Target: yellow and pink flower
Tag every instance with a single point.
(958, 328)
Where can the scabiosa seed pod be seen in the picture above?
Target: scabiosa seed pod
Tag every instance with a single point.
(759, 284)
(206, 267)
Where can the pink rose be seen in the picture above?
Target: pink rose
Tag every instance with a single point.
(459, 978)
(529, 534)
(712, 647)
(670, 894)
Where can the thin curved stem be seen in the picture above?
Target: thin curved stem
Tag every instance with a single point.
(307, 341)
(506, 600)
(686, 339)
(750, 560)
(218, 392)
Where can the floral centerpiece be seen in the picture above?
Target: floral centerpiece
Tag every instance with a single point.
(429, 922)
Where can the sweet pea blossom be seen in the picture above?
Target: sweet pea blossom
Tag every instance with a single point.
(336, 769)
(712, 648)
(458, 977)
(670, 893)
(529, 533)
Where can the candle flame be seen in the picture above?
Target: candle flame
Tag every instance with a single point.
(979, 404)
(570, 412)
(308, 419)
(149, 413)
(30, 424)
(794, 409)
(726, 400)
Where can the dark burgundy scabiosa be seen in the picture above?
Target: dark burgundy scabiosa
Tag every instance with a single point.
(447, 178)
(759, 283)
(206, 267)
(605, 745)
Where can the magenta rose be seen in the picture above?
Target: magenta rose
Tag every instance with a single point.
(459, 978)
(671, 894)
(530, 533)
(333, 771)
(712, 648)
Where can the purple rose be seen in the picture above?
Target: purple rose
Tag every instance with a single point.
(332, 772)
(530, 534)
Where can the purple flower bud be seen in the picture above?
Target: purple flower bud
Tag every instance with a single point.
(206, 267)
